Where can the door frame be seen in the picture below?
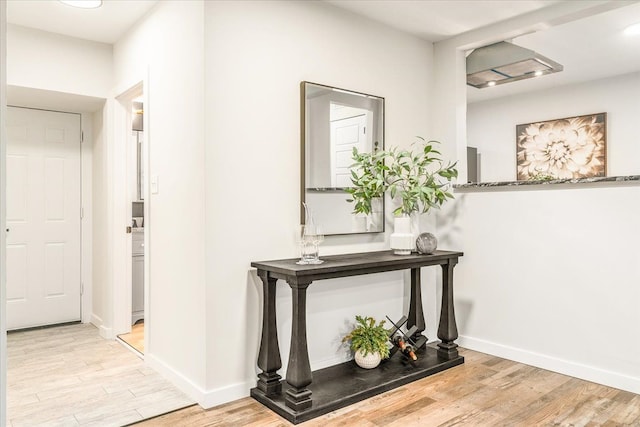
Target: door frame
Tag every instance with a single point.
(122, 175)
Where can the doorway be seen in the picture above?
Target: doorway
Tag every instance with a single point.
(133, 315)
(44, 199)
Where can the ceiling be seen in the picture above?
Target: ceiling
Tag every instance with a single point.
(436, 20)
(588, 48)
(105, 24)
(432, 20)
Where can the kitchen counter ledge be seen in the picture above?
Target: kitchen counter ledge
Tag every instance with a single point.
(556, 183)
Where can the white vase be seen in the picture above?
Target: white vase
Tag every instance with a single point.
(370, 361)
(359, 223)
(403, 240)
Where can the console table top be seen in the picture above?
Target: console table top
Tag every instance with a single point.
(356, 261)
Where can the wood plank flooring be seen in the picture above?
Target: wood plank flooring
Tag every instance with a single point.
(485, 391)
(135, 338)
(70, 376)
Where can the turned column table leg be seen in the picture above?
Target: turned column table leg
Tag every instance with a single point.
(416, 313)
(269, 355)
(298, 396)
(447, 330)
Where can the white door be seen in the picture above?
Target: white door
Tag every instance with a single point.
(345, 135)
(43, 217)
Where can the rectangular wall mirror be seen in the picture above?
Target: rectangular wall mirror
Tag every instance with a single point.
(333, 122)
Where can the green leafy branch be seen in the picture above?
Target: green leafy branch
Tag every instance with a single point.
(413, 177)
(367, 177)
(417, 176)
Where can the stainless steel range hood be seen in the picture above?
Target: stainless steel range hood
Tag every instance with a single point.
(504, 62)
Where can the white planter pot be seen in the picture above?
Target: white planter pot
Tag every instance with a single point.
(403, 239)
(370, 361)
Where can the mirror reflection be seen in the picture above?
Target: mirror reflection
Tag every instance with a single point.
(334, 122)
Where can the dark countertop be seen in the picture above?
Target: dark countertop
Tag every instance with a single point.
(604, 179)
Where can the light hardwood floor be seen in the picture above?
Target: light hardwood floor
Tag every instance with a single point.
(485, 391)
(70, 376)
(135, 338)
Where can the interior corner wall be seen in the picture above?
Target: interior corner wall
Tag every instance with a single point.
(101, 315)
(89, 134)
(167, 46)
(257, 53)
(43, 60)
(449, 127)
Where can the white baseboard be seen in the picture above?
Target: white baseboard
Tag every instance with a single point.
(226, 394)
(205, 398)
(184, 384)
(95, 321)
(550, 363)
(106, 333)
(210, 398)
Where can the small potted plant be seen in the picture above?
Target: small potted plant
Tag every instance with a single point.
(369, 341)
(417, 177)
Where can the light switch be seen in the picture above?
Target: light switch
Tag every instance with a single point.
(154, 184)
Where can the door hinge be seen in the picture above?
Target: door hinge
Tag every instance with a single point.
(81, 288)
(81, 137)
(364, 129)
(81, 212)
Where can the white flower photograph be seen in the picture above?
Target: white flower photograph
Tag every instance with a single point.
(569, 148)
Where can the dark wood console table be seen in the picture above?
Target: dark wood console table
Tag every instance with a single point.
(303, 396)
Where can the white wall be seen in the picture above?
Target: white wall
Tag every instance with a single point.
(256, 55)
(550, 277)
(491, 124)
(43, 60)
(3, 241)
(168, 46)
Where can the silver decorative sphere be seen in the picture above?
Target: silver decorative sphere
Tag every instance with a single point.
(426, 243)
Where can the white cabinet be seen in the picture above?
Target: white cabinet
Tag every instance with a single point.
(137, 279)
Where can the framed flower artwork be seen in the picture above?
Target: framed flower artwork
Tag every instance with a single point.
(569, 148)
